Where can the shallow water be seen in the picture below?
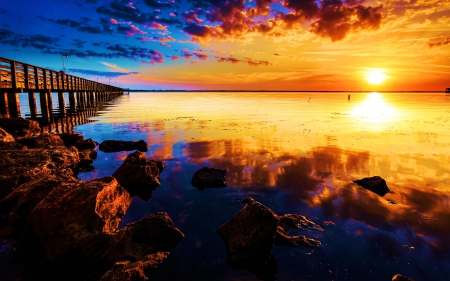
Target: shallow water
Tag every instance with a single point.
(295, 153)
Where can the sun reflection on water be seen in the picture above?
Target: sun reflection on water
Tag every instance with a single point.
(374, 109)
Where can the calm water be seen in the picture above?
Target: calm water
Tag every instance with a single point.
(295, 153)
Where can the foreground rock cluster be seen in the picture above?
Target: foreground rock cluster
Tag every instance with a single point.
(250, 236)
(65, 228)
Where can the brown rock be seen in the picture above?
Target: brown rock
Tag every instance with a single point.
(209, 177)
(134, 271)
(134, 242)
(375, 184)
(87, 158)
(118, 145)
(74, 224)
(399, 277)
(139, 176)
(7, 141)
(42, 141)
(21, 166)
(20, 127)
(249, 236)
(70, 139)
(18, 204)
(85, 144)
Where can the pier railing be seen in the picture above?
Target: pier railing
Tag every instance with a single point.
(18, 77)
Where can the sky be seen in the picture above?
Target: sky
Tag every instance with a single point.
(305, 45)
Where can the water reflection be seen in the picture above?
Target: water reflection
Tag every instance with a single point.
(374, 109)
(296, 157)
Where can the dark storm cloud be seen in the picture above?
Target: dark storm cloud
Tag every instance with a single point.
(101, 73)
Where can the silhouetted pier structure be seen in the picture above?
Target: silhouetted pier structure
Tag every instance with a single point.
(85, 97)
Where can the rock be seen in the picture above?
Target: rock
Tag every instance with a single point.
(20, 127)
(375, 184)
(18, 204)
(87, 158)
(399, 277)
(5, 137)
(42, 141)
(70, 139)
(150, 235)
(85, 144)
(209, 177)
(21, 166)
(118, 145)
(249, 236)
(139, 176)
(134, 271)
(7, 141)
(71, 227)
(295, 221)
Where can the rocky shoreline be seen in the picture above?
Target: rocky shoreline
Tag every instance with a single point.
(64, 228)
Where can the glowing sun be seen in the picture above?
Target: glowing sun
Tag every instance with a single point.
(375, 76)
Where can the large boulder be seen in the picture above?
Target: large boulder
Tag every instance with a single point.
(70, 228)
(209, 177)
(375, 184)
(42, 141)
(20, 127)
(118, 145)
(85, 144)
(134, 242)
(21, 166)
(70, 139)
(249, 236)
(19, 203)
(139, 176)
(7, 141)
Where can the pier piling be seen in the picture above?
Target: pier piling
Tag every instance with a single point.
(85, 96)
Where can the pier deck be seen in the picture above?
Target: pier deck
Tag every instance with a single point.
(85, 96)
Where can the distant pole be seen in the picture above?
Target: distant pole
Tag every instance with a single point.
(97, 80)
(64, 67)
(110, 81)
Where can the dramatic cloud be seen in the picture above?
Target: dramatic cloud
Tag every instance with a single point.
(101, 73)
(333, 19)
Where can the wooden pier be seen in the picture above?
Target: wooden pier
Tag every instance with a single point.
(85, 96)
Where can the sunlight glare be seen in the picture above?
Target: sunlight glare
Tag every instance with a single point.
(374, 109)
(375, 76)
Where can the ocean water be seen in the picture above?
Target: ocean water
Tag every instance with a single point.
(295, 153)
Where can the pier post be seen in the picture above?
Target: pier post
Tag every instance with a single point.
(72, 102)
(13, 104)
(43, 97)
(32, 103)
(4, 108)
(61, 103)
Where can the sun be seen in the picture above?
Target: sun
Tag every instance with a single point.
(375, 76)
